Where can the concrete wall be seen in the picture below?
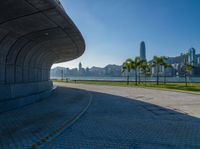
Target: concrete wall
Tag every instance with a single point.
(17, 95)
(34, 34)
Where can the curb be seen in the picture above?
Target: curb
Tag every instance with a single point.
(55, 133)
(153, 88)
(171, 90)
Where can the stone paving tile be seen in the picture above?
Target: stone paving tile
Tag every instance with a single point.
(115, 122)
(22, 127)
(181, 102)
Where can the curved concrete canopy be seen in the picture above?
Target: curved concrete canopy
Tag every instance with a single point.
(34, 34)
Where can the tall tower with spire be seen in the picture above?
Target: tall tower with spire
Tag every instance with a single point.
(142, 51)
(80, 66)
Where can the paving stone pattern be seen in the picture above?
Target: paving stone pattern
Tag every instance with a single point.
(22, 127)
(116, 122)
(181, 102)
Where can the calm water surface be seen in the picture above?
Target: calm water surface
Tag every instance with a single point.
(169, 79)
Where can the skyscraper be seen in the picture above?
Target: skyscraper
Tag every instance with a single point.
(80, 66)
(192, 56)
(142, 51)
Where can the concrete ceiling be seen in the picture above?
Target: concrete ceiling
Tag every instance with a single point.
(34, 34)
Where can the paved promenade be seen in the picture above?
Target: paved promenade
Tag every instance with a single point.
(181, 102)
(116, 120)
(29, 126)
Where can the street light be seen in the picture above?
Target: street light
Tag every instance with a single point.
(62, 74)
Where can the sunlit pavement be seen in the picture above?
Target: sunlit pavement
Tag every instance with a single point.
(181, 102)
(114, 117)
(25, 127)
(114, 121)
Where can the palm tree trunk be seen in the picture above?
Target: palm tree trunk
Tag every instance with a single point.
(185, 79)
(164, 76)
(128, 79)
(157, 79)
(136, 76)
(157, 75)
(139, 76)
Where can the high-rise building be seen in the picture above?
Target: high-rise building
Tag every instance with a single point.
(142, 51)
(198, 60)
(192, 56)
(80, 66)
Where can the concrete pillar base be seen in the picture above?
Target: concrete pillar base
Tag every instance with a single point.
(17, 95)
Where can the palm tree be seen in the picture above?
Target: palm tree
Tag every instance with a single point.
(157, 62)
(187, 69)
(137, 66)
(165, 65)
(145, 69)
(127, 66)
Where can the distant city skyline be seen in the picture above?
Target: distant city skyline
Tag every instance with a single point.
(114, 34)
(113, 70)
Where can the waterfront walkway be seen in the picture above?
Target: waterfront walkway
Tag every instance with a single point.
(117, 120)
(181, 102)
(115, 117)
(33, 125)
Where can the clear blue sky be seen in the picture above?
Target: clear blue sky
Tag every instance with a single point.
(113, 29)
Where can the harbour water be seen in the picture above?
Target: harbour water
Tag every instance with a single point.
(150, 79)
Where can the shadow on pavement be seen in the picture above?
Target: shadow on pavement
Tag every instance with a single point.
(118, 122)
(110, 122)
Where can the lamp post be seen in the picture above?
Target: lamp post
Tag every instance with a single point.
(62, 74)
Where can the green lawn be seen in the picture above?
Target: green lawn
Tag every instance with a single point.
(173, 86)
